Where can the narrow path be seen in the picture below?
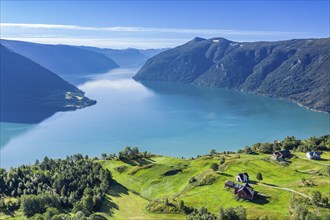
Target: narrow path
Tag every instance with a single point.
(287, 189)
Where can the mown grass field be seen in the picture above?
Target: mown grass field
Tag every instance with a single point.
(148, 182)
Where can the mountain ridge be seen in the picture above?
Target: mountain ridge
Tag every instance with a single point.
(130, 57)
(295, 70)
(31, 93)
(62, 59)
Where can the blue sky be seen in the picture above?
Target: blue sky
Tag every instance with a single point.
(146, 24)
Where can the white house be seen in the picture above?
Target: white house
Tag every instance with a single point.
(313, 155)
(242, 177)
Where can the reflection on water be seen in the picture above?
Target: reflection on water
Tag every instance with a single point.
(30, 116)
(164, 118)
(12, 130)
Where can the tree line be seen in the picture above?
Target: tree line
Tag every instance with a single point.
(290, 143)
(76, 182)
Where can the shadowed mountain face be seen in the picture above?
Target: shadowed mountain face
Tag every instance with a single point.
(127, 57)
(296, 70)
(31, 93)
(62, 59)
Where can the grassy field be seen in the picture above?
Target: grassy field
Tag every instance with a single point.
(138, 183)
(169, 177)
(123, 204)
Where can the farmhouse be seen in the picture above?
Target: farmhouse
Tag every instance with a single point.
(245, 192)
(242, 177)
(281, 155)
(313, 155)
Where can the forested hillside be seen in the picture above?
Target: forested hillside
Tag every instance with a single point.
(31, 93)
(296, 70)
(62, 59)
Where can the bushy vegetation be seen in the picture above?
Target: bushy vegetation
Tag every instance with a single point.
(201, 214)
(121, 169)
(230, 213)
(165, 206)
(305, 209)
(130, 153)
(75, 182)
(259, 176)
(214, 166)
(290, 143)
(238, 213)
(32, 204)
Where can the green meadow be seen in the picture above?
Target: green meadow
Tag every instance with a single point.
(148, 181)
(138, 183)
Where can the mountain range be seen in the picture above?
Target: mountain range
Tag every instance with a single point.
(31, 93)
(34, 76)
(62, 59)
(130, 57)
(295, 70)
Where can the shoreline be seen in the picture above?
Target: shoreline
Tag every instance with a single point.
(239, 90)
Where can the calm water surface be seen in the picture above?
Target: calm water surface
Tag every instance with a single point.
(164, 118)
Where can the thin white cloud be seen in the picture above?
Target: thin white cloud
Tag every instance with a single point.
(46, 26)
(147, 29)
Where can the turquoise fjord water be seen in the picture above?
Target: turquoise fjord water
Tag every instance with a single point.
(164, 118)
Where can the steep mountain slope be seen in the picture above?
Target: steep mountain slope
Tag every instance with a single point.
(296, 70)
(62, 59)
(127, 57)
(31, 93)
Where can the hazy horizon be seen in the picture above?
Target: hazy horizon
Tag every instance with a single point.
(160, 24)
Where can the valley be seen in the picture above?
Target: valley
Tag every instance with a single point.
(164, 110)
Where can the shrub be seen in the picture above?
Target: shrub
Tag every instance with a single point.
(164, 206)
(214, 166)
(207, 180)
(222, 160)
(316, 197)
(201, 214)
(192, 180)
(238, 213)
(121, 169)
(259, 177)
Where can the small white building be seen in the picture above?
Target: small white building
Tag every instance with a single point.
(313, 155)
(242, 177)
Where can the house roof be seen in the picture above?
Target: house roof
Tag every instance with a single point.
(247, 185)
(241, 175)
(247, 190)
(311, 153)
(229, 183)
(284, 152)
